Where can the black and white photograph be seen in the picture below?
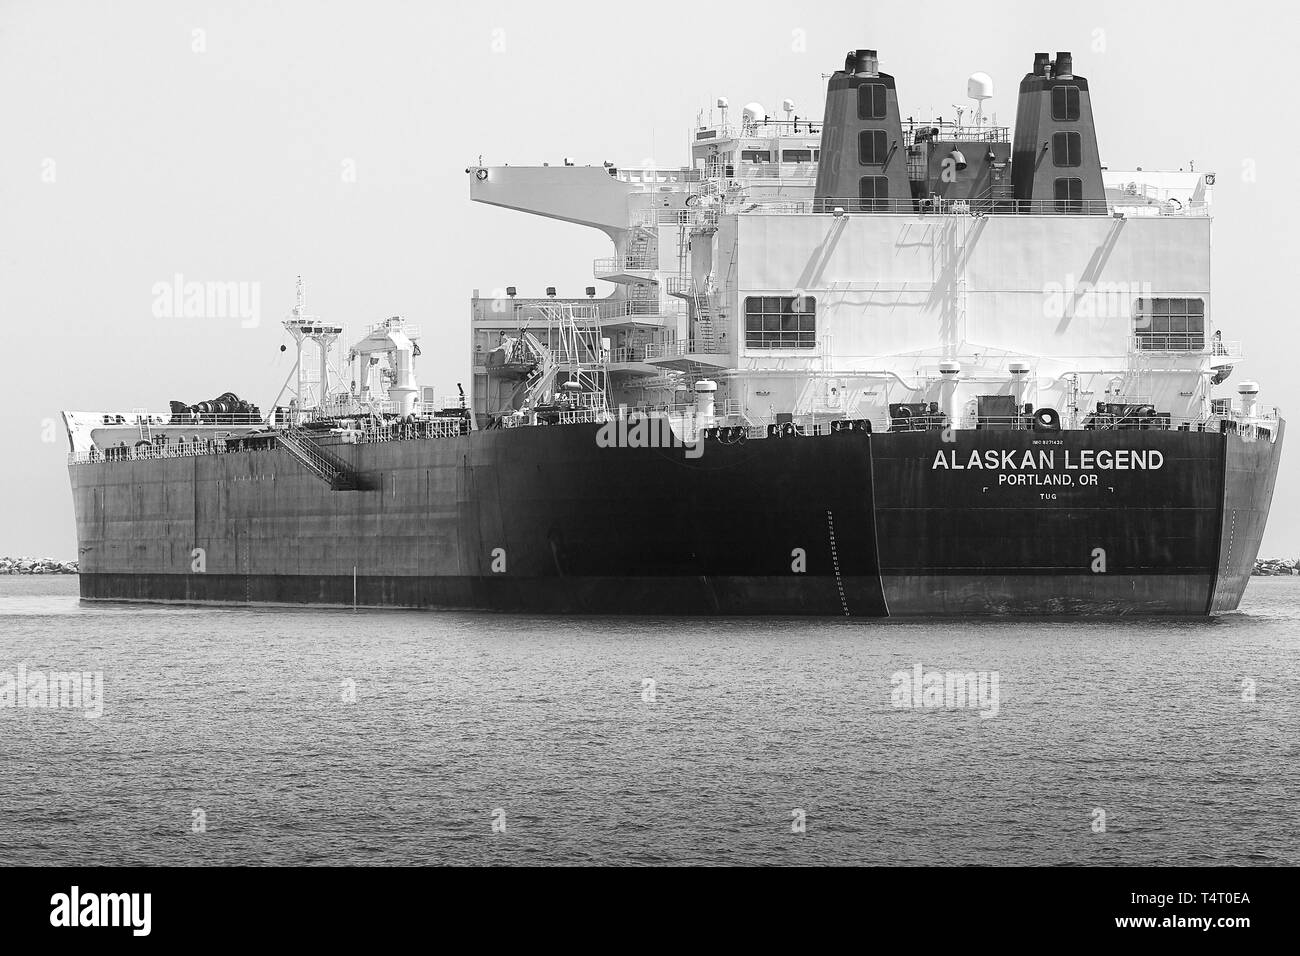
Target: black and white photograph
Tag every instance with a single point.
(636, 436)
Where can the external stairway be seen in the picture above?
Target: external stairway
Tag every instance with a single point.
(329, 469)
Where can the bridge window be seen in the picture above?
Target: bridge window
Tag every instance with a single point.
(755, 155)
(873, 147)
(1067, 149)
(873, 193)
(1069, 195)
(1169, 325)
(797, 156)
(1065, 103)
(780, 322)
(871, 101)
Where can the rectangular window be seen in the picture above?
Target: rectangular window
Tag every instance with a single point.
(1065, 103)
(871, 101)
(873, 193)
(755, 155)
(1069, 195)
(1067, 149)
(1169, 325)
(780, 322)
(873, 145)
(796, 156)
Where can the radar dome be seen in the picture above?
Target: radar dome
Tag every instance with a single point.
(979, 86)
(754, 112)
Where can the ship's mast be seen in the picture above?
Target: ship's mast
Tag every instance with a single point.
(296, 326)
(302, 327)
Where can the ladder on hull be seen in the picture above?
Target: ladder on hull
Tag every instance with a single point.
(334, 472)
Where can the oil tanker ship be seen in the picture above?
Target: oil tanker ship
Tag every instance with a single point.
(860, 365)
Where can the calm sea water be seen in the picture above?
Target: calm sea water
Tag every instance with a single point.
(548, 725)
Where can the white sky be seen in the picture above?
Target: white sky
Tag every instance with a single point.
(226, 165)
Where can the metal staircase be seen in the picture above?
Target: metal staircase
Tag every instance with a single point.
(142, 419)
(703, 310)
(643, 299)
(703, 303)
(333, 471)
(643, 248)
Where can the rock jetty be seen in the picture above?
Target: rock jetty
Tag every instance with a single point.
(36, 566)
(1273, 566)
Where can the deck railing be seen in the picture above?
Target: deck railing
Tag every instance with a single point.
(728, 414)
(136, 418)
(585, 311)
(426, 428)
(153, 452)
(406, 431)
(679, 285)
(617, 265)
(663, 350)
(856, 205)
(627, 353)
(1184, 343)
(658, 175)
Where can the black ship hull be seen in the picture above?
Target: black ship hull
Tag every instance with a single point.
(547, 520)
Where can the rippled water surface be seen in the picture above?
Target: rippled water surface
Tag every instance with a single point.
(549, 725)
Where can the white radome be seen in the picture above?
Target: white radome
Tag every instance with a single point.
(979, 86)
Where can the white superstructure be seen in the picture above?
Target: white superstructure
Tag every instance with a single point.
(809, 309)
(724, 269)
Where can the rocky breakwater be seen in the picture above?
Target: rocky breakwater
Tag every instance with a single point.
(36, 566)
(1273, 566)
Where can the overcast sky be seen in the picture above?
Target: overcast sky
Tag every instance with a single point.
(250, 142)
